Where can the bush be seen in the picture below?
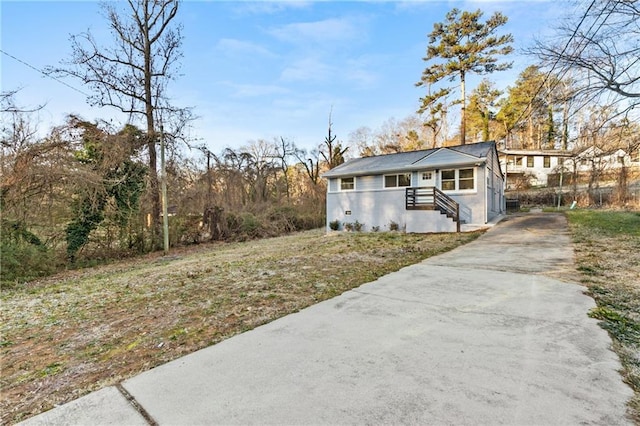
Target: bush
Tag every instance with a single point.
(358, 226)
(348, 226)
(250, 226)
(393, 226)
(375, 228)
(334, 225)
(24, 256)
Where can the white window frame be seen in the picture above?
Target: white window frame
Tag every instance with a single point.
(456, 181)
(341, 188)
(427, 175)
(397, 176)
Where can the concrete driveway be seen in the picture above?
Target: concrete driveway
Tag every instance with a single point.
(490, 333)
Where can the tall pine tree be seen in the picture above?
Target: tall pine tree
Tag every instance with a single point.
(462, 45)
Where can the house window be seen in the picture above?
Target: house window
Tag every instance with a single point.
(530, 161)
(448, 180)
(462, 179)
(561, 161)
(347, 184)
(518, 161)
(546, 161)
(394, 181)
(465, 178)
(427, 175)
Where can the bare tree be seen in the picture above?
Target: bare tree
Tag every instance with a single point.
(332, 151)
(603, 49)
(132, 74)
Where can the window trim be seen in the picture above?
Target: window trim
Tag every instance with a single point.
(397, 179)
(546, 162)
(530, 161)
(443, 180)
(456, 181)
(341, 188)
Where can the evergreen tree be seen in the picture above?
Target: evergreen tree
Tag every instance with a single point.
(481, 109)
(462, 45)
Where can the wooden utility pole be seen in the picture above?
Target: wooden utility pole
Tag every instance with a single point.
(163, 179)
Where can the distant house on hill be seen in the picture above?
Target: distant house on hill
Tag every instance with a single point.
(541, 167)
(531, 167)
(432, 190)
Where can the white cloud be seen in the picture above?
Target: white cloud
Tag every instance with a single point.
(234, 46)
(269, 7)
(307, 69)
(328, 30)
(256, 90)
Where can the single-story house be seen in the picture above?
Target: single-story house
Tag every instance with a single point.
(433, 190)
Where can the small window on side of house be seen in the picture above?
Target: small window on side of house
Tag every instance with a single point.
(347, 184)
(427, 175)
(518, 161)
(530, 161)
(546, 162)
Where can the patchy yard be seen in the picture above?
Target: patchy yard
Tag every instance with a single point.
(607, 247)
(74, 333)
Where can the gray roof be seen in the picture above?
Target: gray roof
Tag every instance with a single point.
(402, 160)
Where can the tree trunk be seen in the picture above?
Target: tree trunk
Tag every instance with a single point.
(463, 110)
(151, 134)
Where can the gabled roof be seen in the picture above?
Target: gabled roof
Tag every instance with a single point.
(405, 161)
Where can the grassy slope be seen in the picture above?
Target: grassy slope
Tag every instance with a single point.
(76, 332)
(607, 247)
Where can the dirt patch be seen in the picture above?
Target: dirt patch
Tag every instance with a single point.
(79, 331)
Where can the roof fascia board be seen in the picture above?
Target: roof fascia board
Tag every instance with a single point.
(474, 161)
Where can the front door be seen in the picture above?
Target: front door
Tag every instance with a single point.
(427, 178)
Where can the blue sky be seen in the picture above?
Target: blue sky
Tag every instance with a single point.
(258, 70)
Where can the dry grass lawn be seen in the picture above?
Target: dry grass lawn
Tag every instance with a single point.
(79, 331)
(607, 247)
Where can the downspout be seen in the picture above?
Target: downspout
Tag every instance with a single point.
(486, 193)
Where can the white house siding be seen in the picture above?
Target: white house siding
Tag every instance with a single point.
(495, 187)
(472, 205)
(367, 183)
(371, 208)
(380, 208)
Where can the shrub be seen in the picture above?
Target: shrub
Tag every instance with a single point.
(251, 226)
(393, 226)
(348, 226)
(24, 256)
(358, 226)
(334, 225)
(375, 228)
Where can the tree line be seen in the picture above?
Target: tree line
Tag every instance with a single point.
(90, 191)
